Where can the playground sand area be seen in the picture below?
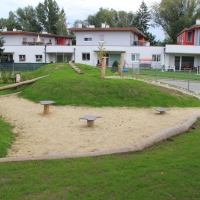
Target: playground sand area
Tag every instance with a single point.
(62, 132)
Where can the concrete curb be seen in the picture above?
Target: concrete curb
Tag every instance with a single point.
(145, 143)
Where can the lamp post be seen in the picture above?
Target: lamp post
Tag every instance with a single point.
(74, 54)
(45, 48)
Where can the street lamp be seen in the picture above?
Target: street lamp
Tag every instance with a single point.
(45, 51)
(74, 54)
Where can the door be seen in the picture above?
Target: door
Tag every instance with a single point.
(113, 57)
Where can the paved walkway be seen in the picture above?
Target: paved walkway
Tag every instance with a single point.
(193, 86)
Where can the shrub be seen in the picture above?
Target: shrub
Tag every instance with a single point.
(115, 66)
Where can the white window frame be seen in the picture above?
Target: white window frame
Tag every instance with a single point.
(87, 38)
(22, 57)
(38, 58)
(101, 38)
(136, 55)
(189, 36)
(86, 55)
(156, 57)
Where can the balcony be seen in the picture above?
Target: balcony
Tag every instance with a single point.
(141, 43)
(36, 43)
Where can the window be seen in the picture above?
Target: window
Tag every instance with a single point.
(135, 57)
(24, 40)
(156, 58)
(22, 58)
(87, 38)
(34, 39)
(43, 41)
(38, 58)
(101, 38)
(189, 36)
(85, 56)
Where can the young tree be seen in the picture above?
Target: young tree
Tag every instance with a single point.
(175, 15)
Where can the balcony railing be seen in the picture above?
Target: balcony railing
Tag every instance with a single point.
(141, 43)
(36, 43)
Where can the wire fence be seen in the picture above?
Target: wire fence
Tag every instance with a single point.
(21, 66)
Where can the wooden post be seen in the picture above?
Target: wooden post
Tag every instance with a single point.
(46, 108)
(103, 67)
(120, 68)
(90, 123)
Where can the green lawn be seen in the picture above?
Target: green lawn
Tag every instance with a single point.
(169, 170)
(66, 87)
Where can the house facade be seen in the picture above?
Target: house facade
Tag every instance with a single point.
(185, 55)
(22, 47)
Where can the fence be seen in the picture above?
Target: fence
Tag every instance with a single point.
(185, 79)
(21, 66)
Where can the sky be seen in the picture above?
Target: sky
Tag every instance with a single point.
(80, 9)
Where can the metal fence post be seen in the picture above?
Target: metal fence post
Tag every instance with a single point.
(156, 74)
(189, 80)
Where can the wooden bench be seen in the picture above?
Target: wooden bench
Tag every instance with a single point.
(90, 119)
(162, 110)
(46, 105)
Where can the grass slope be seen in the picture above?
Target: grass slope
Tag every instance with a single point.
(6, 137)
(169, 170)
(66, 87)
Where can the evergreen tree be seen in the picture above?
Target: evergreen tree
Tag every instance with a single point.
(2, 41)
(142, 18)
(62, 24)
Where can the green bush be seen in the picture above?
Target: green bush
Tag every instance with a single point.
(115, 66)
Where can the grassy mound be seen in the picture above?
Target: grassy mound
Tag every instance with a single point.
(66, 87)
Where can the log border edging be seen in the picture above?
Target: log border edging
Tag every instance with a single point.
(139, 146)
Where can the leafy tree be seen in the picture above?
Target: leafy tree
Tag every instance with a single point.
(11, 22)
(125, 19)
(83, 22)
(151, 38)
(28, 19)
(103, 15)
(62, 24)
(48, 15)
(175, 15)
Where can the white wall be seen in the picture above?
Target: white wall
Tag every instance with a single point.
(120, 38)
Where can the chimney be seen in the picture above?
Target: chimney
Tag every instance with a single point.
(107, 26)
(80, 25)
(198, 21)
(4, 29)
(14, 29)
(103, 25)
(91, 26)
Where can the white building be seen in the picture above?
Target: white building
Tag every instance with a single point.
(29, 47)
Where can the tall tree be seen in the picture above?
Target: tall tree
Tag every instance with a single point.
(2, 41)
(11, 22)
(142, 18)
(103, 15)
(175, 15)
(124, 19)
(28, 19)
(48, 15)
(62, 24)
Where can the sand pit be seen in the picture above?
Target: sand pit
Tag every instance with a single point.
(61, 132)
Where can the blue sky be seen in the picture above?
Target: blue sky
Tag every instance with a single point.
(80, 9)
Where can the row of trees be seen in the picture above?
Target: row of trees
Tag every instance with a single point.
(46, 16)
(172, 15)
